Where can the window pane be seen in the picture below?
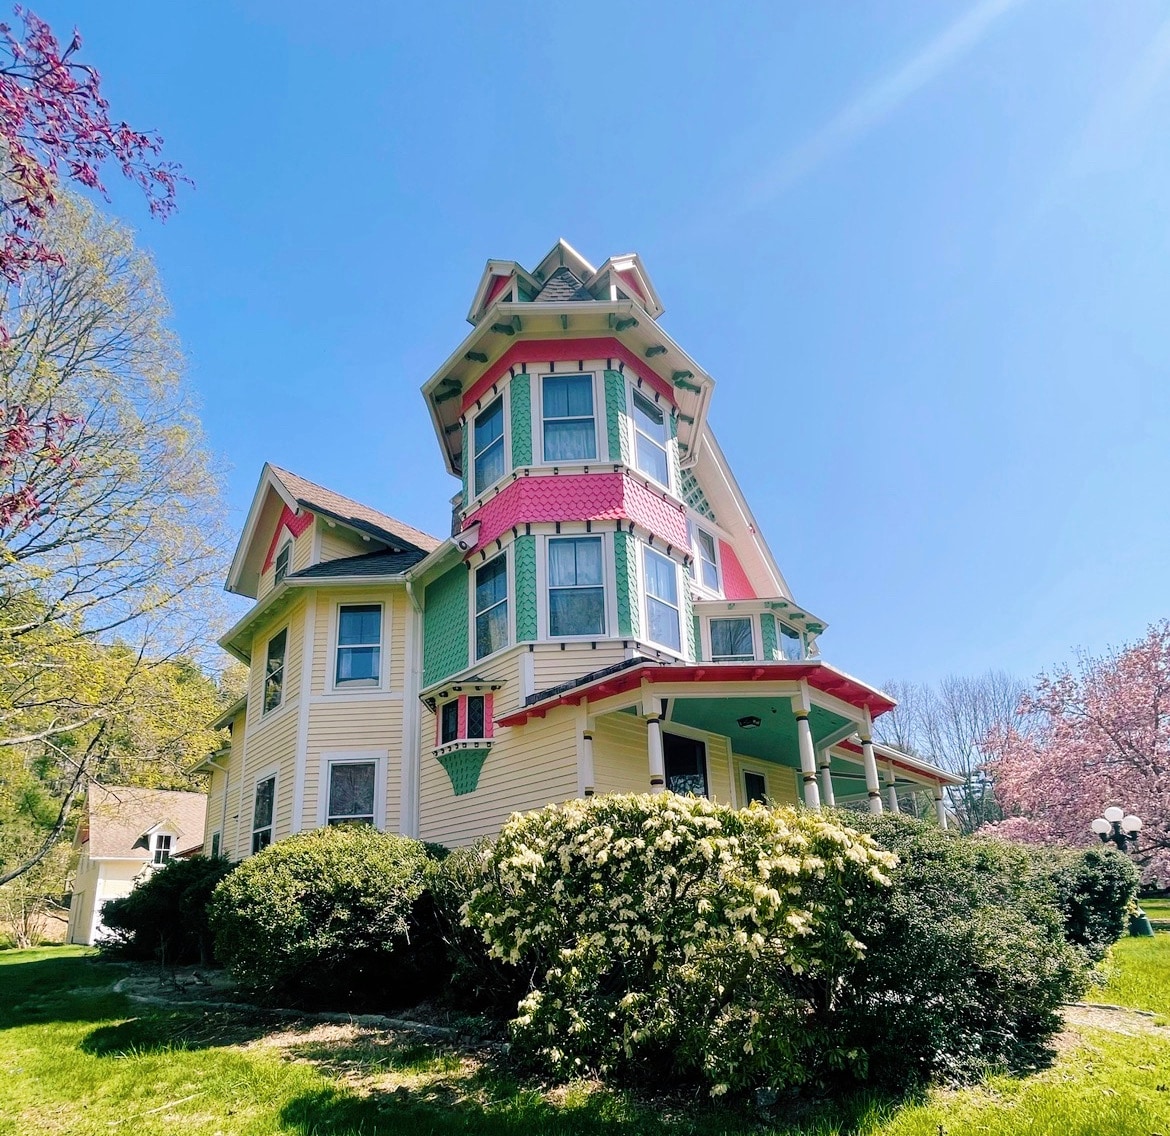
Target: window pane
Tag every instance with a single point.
(652, 460)
(489, 466)
(491, 583)
(732, 639)
(360, 625)
(261, 840)
(351, 790)
(274, 670)
(358, 664)
(572, 439)
(475, 716)
(663, 623)
(450, 722)
(282, 558)
(686, 764)
(791, 643)
(574, 561)
(215, 842)
(754, 786)
(262, 810)
(649, 418)
(568, 396)
(576, 611)
(489, 426)
(491, 631)
(661, 577)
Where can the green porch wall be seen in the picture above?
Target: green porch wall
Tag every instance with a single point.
(625, 549)
(524, 570)
(445, 625)
(520, 397)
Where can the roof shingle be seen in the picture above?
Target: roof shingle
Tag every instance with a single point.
(369, 564)
(562, 285)
(119, 815)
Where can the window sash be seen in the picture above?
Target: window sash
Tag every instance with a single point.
(491, 607)
(282, 560)
(489, 446)
(216, 840)
(791, 643)
(568, 418)
(708, 563)
(576, 587)
(476, 715)
(755, 787)
(650, 439)
(685, 765)
(263, 808)
(359, 645)
(162, 848)
(728, 642)
(449, 721)
(663, 615)
(274, 670)
(352, 800)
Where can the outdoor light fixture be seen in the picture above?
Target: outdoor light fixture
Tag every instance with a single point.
(1116, 828)
(748, 722)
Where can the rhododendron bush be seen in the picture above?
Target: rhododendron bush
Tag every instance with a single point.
(1102, 738)
(669, 934)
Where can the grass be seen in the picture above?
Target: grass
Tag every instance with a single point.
(80, 1060)
(1138, 975)
(1156, 909)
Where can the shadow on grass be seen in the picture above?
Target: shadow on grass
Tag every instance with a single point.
(65, 989)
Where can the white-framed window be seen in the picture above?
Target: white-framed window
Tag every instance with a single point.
(706, 559)
(352, 792)
(755, 787)
(685, 764)
(283, 557)
(491, 607)
(476, 716)
(568, 420)
(162, 847)
(274, 670)
(263, 807)
(651, 436)
(216, 845)
(576, 587)
(359, 646)
(732, 639)
(791, 642)
(663, 618)
(489, 463)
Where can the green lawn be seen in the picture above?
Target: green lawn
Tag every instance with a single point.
(80, 1060)
(1139, 976)
(1158, 909)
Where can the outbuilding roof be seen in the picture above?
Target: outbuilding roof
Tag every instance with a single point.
(118, 817)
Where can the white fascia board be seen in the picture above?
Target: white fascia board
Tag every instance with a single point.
(630, 262)
(347, 581)
(562, 251)
(708, 440)
(433, 560)
(496, 268)
(268, 480)
(280, 592)
(926, 768)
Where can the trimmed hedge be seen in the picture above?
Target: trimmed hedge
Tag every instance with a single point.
(165, 917)
(335, 917)
(1094, 890)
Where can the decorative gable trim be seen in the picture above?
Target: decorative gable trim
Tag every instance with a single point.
(295, 522)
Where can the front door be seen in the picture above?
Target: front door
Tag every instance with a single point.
(686, 765)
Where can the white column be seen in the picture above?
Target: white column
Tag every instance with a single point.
(587, 763)
(872, 785)
(654, 749)
(808, 760)
(826, 766)
(940, 806)
(891, 788)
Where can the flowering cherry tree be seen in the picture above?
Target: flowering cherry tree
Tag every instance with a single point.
(1100, 736)
(55, 126)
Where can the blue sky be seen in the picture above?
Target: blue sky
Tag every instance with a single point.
(921, 247)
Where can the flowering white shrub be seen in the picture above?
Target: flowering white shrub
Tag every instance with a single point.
(672, 936)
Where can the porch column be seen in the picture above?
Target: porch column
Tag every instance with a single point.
(891, 788)
(872, 785)
(808, 755)
(654, 749)
(587, 763)
(940, 806)
(826, 767)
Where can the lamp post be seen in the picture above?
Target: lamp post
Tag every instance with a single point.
(1120, 829)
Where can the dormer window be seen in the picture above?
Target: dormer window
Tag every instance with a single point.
(282, 562)
(568, 427)
(488, 439)
(162, 848)
(651, 436)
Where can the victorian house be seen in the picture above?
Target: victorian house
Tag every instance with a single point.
(606, 615)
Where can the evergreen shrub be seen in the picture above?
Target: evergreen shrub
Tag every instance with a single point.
(1094, 890)
(675, 941)
(337, 917)
(165, 916)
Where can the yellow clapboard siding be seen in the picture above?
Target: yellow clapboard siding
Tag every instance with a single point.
(394, 604)
(555, 664)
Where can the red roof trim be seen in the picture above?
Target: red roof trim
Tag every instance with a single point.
(296, 524)
(557, 350)
(820, 676)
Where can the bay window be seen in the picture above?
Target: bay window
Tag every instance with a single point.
(491, 607)
(650, 437)
(663, 619)
(732, 640)
(488, 439)
(576, 588)
(568, 427)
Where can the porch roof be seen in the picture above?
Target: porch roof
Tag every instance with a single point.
(629, 676)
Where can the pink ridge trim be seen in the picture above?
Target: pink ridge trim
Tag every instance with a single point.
(296, 524)
(631, 282)
(580, 497)
(736, 585)
(461, 716)
(497, 286)
(560, 350)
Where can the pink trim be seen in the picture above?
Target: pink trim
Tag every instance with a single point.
(736, 585)
(580, 497)
(494, 289)
(630, 280)
(560, 350)
(489, 727)
(296, 523)
(461, 726)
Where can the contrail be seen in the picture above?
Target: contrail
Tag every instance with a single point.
(880, 100)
